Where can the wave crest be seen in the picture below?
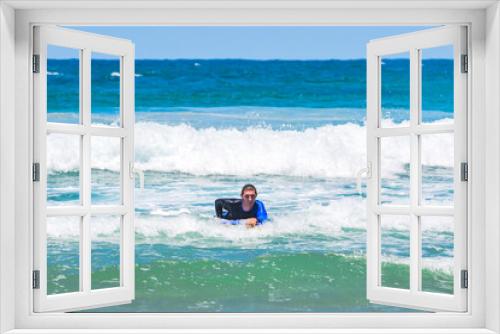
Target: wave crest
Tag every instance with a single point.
(326, 151)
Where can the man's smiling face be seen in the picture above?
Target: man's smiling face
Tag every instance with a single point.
(248, 197)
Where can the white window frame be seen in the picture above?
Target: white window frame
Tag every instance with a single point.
(15, 151)
(86, 44)
(413, 44)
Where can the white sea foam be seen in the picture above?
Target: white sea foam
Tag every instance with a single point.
(339, 226)
(117, 74)
(313, 220)
(327, 151)
(170, 213)
(188, 227)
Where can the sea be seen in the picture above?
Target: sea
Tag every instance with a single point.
(294, 129)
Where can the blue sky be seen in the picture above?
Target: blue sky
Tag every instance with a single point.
(251, 42)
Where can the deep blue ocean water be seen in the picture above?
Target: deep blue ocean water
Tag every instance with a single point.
(296, 129)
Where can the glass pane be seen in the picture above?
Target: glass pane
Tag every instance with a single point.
(437, 169)
(395, 90)
(63, 169)
(437, 254)
(106, 235)
(106, 163)
(395, 251)
(395, 170)
(437, 84)
(63, 254)
(105, 89)
(63, 85)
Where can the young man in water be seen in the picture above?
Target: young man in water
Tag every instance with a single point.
(248, 209)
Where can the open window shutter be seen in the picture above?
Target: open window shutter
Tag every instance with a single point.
(72, 282)
(410, 219)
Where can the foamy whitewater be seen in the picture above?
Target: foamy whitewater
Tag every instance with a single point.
(313, 152)
(303, 158)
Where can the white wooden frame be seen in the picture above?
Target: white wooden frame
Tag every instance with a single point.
(85, 43)
(412, 43)
(484, 19)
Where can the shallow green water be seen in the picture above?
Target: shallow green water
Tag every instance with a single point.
(271, 283)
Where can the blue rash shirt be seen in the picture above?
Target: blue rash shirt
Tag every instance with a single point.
(231, 209)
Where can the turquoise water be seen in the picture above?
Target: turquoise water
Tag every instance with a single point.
(295, 129)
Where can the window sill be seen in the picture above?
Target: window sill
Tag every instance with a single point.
(253, 331)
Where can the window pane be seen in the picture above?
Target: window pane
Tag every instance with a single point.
(106, 237)
(437, 254)
(63, 85)
(106, 164)
(394, 170)
(437, 84)
(63, 169)
(105, 89)
(63, 254)
(395, 251)
(395, 90)
(437, 169)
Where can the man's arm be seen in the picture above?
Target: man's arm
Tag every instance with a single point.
(218, 207)
(261, 212)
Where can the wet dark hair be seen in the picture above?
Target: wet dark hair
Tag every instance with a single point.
(248, 186)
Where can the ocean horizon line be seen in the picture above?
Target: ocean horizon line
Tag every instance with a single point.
(247, 59)
(253, 59)
(230, 58)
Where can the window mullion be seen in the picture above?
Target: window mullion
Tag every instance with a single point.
(86, 242)
(414, 171)
(127, 248)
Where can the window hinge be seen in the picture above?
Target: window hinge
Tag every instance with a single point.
(36, 279)
(464, 279)
(36, 63)
(133, 170)
(464, 171)
(36, 172)
(465, 64)
(367, 171)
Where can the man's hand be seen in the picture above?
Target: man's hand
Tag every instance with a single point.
(251, 222)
